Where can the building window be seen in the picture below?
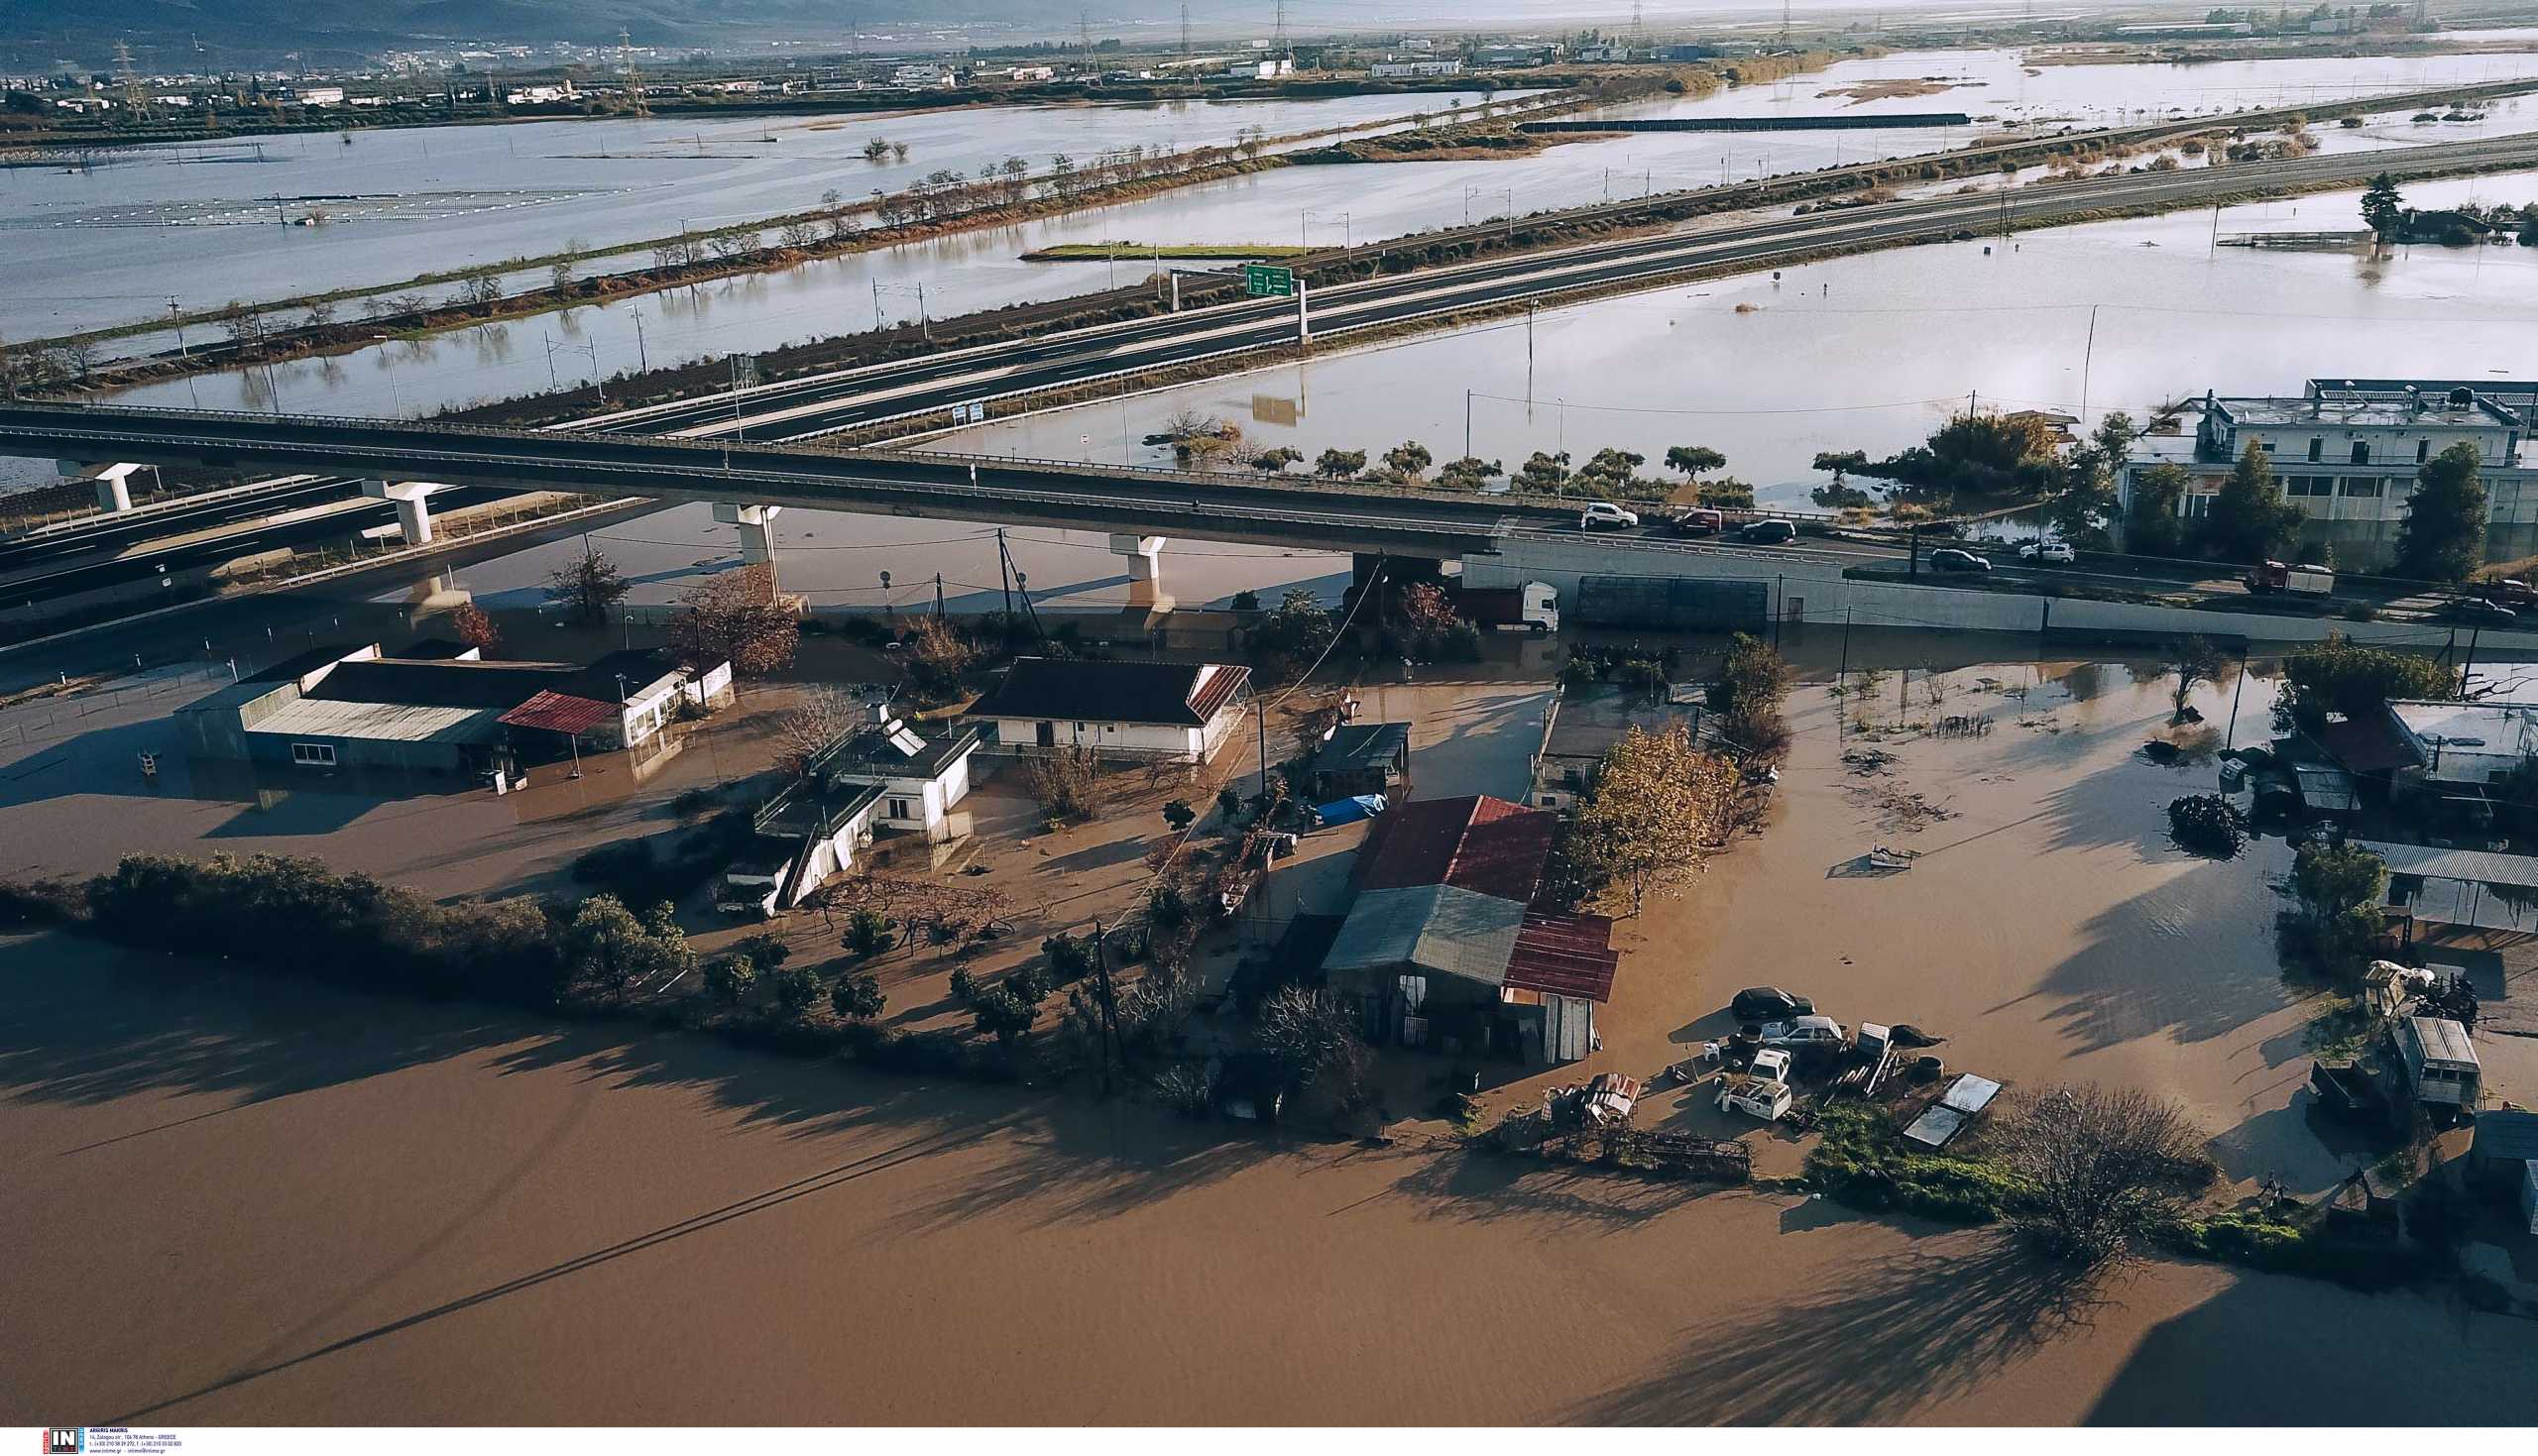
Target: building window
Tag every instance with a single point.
(2308, 484)
(2197, 506)
(321, 756)
(2317, 448)
(2363, 484)
(2361, 452)
(899, 809)
(2423, 451)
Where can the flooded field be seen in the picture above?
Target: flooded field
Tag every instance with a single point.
(101, 245)
(1875, 351)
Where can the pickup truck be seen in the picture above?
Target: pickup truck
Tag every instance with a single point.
(1755, 1096)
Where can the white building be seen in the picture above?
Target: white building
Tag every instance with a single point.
(918, 74)
(2347, 451)
(921, 779)
(1390, 68)
(1180, 711)
(321, 96)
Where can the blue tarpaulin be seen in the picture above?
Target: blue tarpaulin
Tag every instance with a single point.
(1349, 811)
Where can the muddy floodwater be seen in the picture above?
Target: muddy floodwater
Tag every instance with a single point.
(304, 1206)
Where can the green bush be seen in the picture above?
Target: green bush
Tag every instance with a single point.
(1861, 1160)
(2254, 1241)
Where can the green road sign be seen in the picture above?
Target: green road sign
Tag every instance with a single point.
(1262, 281)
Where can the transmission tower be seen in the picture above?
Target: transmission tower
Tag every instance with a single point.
(1185, 36)
(1784, 8)
(1638, 30)
(626, 64)
(132, 97)
(1279, 44)
(1083, 34)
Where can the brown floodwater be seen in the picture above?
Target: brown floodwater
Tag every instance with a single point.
(240, 1201)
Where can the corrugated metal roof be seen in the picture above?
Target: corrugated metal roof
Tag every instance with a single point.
(2441, 1039)
(2477, 866)
(323, 718)
(1434, 928)
(1473, 843)
(1564, 956)
(2325, 789)
(1364, 744)
(562, 713)
(1179, 694)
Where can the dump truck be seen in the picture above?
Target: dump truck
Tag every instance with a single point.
(2293, 580)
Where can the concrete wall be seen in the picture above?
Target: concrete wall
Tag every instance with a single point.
(1816, 592)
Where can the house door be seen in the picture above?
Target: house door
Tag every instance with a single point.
(1046, 734)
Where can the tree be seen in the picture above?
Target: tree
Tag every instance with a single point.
(938, 654)
(1696, 460)
(1543, 472)
(609, 946)
(2155, 523)
(823, 715)
(2382, 210)
(1277, 460)
(796, 989)
(868, 933)
(1655, 808)
(857, 997)
(1840, 462)
(999, 1013)
(735, 618)
(2198, 660)
(2340, 889)
(2442, 537)
(2251, 520)
(586, 588)
(1468, 473)
(1296, 632)
(1178, 814)
(727, 978)
(1230, 802)
(1409, 458)
(877, 150)
(1338, 464)
(2103, 1168)
(471, 626)
(2341, 675)
(1313, 1040)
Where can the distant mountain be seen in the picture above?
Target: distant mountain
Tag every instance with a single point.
(164, 33)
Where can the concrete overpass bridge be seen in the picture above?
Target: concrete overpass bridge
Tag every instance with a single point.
(747, 484)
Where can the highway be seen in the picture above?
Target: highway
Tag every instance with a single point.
(846, 399)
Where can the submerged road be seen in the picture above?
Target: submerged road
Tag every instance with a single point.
(847, 400)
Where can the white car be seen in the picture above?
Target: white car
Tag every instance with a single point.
(1606, 513)
(2053, 551)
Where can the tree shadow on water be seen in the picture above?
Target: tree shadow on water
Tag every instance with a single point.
(1875, 1344)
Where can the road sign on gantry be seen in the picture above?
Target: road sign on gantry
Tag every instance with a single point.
(1264, 280)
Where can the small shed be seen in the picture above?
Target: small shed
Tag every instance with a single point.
(1361, 759)
(2325, 789)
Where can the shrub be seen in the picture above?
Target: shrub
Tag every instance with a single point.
(1069, 958)
(1861, 1160)
(2207, 824)
(857, 997)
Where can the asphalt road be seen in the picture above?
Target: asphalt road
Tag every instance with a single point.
(844, 399)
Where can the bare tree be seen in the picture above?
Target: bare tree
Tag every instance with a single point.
(736, 617)
(2107, 1167)
(2198, 660)
(823, 715)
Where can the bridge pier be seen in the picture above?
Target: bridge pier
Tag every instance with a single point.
(1144, 553)
(758, 538)
(113, 478)
(414, 514)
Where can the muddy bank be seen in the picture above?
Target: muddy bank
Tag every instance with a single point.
(310, 1206)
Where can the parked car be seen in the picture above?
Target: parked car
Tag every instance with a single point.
(2478, 610)
(1606, 515)
(1952, 558)
(2511, 591)
(1769, 533)
(2051, 552)
(1768, 1003)
(1805, 1031)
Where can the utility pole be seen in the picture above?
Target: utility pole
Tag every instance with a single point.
(2088, 354)
(1101, 988)
(1260, 720)
(176, 317)
(1304, 325)
(1467, 424)
(642, 358)
(1003, 574)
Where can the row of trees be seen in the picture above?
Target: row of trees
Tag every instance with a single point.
(1610, 474)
